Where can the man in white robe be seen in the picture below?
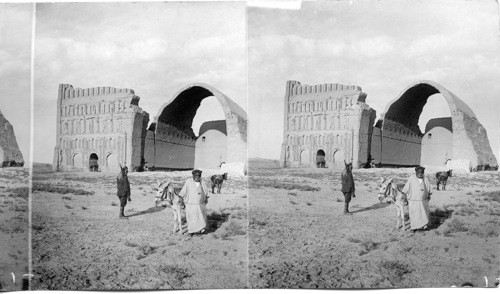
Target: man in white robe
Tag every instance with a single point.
(195, 196)
(418, 193)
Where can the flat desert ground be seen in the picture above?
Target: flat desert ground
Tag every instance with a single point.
(14, 228)
(300, 238)
(294, 235)
(79, 243)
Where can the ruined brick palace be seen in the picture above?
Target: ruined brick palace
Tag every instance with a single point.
(105, 127)
(333, 123)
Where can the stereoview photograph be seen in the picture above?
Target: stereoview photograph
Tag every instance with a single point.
(379, 170)
(139, 176)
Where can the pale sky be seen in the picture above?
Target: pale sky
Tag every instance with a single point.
(154, 48)
(15, 70)
(381, 46)
(158, 48)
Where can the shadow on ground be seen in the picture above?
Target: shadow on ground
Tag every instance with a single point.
(438, 217)
(147, 211)
(373, 207)
(215, 221)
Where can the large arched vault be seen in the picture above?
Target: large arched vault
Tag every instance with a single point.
(401, 136)
(174, 138)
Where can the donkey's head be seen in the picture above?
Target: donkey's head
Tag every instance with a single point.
(159, 187)
(384, 190)
(163, 187)
(224, 176)
(165, 191)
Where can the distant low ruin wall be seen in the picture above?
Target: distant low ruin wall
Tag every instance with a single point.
(437, 146)
(400, 145)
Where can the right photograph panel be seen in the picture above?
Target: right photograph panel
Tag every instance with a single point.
(373, 144)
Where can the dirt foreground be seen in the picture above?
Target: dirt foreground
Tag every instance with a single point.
(299, 237)
(14, 228)
(79, 243)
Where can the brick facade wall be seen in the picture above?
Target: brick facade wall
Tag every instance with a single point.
(104, 121)
(332, 118)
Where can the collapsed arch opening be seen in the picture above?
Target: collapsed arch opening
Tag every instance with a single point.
(172, 143)
(403, 142)
(407, 109)
(181, 111)
(397, 139)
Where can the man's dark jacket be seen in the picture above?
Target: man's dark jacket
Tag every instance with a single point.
(123, 186)
(347, 183)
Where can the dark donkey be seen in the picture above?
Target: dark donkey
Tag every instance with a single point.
(441, 178)
(217, 181)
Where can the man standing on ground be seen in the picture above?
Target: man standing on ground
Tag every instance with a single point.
(347, 186)
(418, 194)
(195, 196)
(123, 189)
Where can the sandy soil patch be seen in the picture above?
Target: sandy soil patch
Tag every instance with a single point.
(80, 243)
(13, 228)
(299, 237)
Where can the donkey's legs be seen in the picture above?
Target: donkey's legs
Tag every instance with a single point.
(178, 219)
(397, 216)
(174, 213)
(402, 214)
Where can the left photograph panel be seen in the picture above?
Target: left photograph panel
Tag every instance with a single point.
(139, 174)
(15, 122)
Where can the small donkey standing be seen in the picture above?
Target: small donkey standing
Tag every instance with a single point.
(391, 193)
(217, 181)
(442, 178)
(166, 191)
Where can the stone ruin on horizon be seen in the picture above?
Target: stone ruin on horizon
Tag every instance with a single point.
(10, 154)
(100, 128)
(328, 124)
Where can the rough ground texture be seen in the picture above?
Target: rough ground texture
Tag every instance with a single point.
(80, 243)
(299, 237)
(13, 227)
